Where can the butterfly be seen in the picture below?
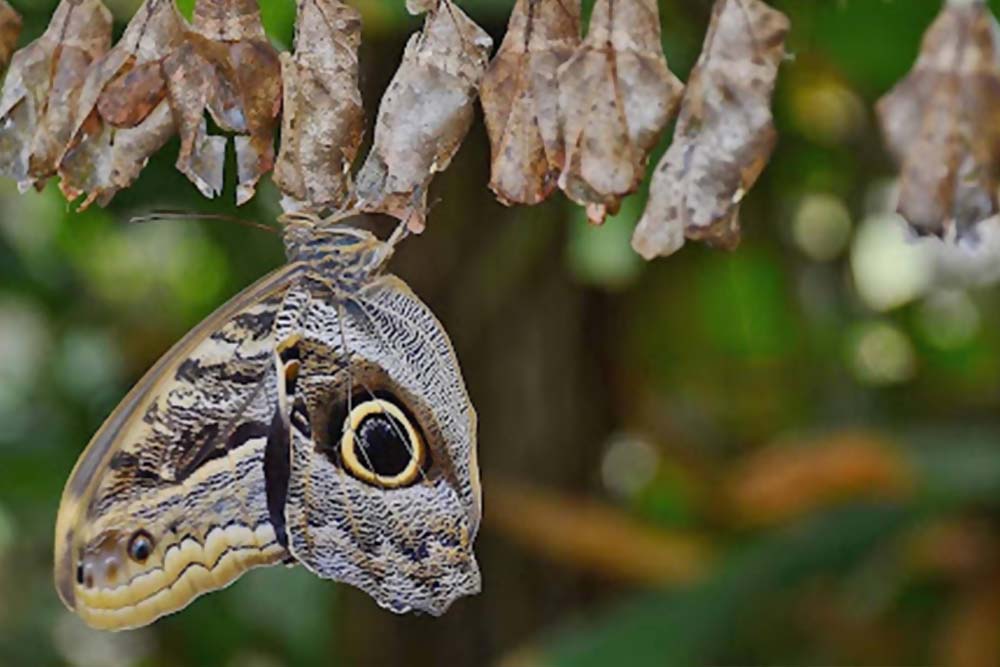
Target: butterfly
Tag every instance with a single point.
(318, 418)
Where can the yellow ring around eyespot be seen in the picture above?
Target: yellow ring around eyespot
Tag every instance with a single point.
(350, 458)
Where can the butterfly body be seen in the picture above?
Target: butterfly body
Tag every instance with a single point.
(318, 418)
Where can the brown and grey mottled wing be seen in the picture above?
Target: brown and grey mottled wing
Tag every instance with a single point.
(168, 501)
(407, 544)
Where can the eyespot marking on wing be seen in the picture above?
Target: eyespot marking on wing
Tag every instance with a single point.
(380, 444)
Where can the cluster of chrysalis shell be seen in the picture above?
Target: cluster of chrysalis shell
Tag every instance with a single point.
(564, 110)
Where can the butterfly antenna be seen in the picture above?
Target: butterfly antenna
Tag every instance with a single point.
(401, 232)
(349, 361)
(160, 216)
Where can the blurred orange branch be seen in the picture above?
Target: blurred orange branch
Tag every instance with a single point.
(789, 479)
(592, 536)
(775, 485)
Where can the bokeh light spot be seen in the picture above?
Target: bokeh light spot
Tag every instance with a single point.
(949, 319)
(80, 646)
(889, 268)
(828, 112)
(629, 465)
(881, 354)
(822, 226)
(24, 341)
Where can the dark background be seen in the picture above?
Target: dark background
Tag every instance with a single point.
(787, 454)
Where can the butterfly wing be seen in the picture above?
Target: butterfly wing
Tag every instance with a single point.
(383, 489)
(168, 500)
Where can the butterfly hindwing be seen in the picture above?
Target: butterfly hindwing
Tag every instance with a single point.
(396, 509)
(168, 501)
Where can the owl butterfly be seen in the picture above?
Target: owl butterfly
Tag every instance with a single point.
(319, 417)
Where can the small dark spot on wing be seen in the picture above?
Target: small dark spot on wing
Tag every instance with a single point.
(258, 324)
(123, 461)
(128, 466)
(147, 475)
(418, 554)
(191, 371)
(152, 414)
(245, 432)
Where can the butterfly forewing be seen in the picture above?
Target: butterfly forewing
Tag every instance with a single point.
(168, 501)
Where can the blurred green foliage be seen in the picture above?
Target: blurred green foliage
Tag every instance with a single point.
(571, 346)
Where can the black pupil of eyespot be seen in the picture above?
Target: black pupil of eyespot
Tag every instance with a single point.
(141, 547)
(380, 445)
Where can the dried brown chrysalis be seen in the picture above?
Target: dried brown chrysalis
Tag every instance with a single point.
(323, 115)
(724, 135)
(616, 95)
(228, 68)
(942, 123)
(42, 87)
(123, 115)
(425, 113)
(520, 98)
